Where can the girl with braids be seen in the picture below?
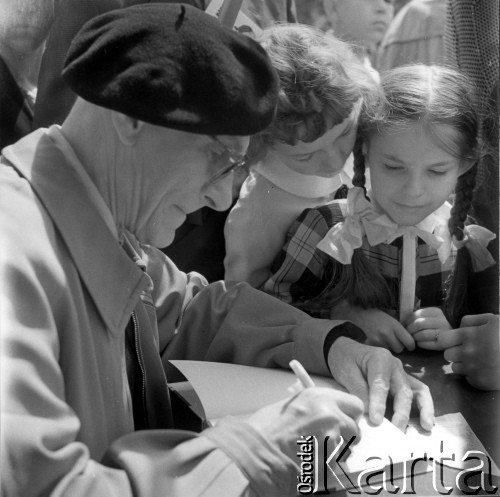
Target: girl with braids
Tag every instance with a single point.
(397, 260)
(299, 158)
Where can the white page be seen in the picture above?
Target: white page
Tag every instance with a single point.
(451, 436)
(232, 389)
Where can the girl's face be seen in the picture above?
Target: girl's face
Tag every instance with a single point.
(325, 156)
(411, 175)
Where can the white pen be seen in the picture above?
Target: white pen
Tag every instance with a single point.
(301, 374)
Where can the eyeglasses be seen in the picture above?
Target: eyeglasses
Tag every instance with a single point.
(233, 161)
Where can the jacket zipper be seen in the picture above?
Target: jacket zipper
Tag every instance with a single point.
(140, 360)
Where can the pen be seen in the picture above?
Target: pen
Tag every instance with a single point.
(301, 374)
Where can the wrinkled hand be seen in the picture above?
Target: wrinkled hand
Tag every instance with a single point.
(474, 350)
(380, 328)
(426, 325)
(314, 411)
(372, 373)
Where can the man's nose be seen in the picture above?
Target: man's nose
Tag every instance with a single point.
(219, 195)
(383, 5)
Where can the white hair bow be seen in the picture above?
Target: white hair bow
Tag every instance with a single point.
(476, 239)
(363, 220)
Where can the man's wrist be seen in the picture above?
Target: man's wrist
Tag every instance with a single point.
(345, 329)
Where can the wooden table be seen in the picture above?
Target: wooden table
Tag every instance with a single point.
(451, 393)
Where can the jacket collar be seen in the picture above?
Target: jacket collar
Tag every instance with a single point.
(112, 279)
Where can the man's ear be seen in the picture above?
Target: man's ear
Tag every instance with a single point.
(127, 128)
(330, 10)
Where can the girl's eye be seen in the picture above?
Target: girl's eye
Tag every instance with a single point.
(438, 173)
(393, 168)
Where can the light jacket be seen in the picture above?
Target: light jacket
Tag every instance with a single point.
(68, 290)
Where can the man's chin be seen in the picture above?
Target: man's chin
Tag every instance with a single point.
(165, 240)
(158, 240)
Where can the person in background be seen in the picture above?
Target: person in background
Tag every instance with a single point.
(387, 263)
(472, 45)
(414, 36)
(92, 311)
(298, 160)
(360, 22)
(24, 27)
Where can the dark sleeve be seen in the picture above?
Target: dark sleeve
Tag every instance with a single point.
(346, 329)
(482, 288)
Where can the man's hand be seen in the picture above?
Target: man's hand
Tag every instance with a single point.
(372, 373)
(426, 325)
(314, 411)
(474, 350)
(380, 328)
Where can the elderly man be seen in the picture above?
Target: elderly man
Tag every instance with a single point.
(90, 309)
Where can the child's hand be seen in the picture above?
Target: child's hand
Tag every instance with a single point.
(474, 350)
(380, 328)
(425, 325)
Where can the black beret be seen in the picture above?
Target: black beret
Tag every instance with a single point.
(173, 65)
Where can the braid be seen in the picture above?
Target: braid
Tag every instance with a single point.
(455, 303)
(359, 283)
(359, 178)
(464, 191)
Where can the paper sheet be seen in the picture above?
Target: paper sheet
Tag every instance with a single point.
(450, 440)
(231, 389)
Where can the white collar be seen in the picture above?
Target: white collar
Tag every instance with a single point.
(302, 185)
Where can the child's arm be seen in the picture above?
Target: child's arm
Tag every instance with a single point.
(426, 325)
(251, 241)
(380, 328)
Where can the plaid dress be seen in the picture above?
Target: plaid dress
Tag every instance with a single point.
(299, 273)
